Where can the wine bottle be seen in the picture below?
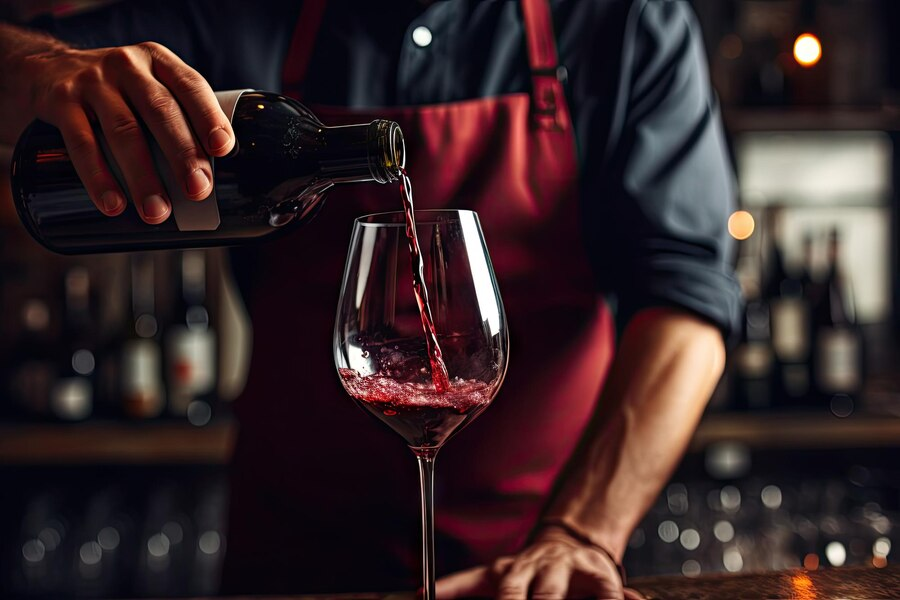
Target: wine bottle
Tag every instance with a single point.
(754, 359)
(812, 286)
(143, 393)
(838, 348)
(788, 318)
(72, 397)
(191, 343)
(283, 162)
(33, 372)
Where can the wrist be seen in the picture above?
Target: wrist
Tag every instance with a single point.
(25, 54)
(610, 544)
(552, 529)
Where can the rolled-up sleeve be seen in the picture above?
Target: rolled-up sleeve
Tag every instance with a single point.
(657, 199)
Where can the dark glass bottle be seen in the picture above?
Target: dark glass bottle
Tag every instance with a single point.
(788, 319)
(190, 344)
(72, 398)
(32, 372)
(284, 161)
(838, 347)
(142, 389)
(753, 359)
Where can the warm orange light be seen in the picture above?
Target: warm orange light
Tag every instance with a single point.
(807, 50)
(879, 562)
(811, 561)
(741, 225)
(802, 587)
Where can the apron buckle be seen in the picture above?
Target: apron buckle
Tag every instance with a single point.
(545, 107)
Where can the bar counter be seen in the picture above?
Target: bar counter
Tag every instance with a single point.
(852, 583)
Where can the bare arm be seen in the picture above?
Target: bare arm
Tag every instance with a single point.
(664, 372)
(117, 88)
(663, 375)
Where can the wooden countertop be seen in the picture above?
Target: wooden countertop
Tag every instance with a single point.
(851, 583)
(163, 442)
(117, 442)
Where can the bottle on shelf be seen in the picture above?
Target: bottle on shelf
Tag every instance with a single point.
(72, 396)
(284, 161)
(789, 317)
(812, 286)
(837, 363)
(142, 388)
(754, 361)
(190, 344)
(33, 372)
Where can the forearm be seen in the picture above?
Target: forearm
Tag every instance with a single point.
(17, 105)
(664, 372)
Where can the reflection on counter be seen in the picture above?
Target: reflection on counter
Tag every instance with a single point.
(733, 509)
(831, 584)
(118, 532)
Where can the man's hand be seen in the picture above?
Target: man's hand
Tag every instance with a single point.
(119, 88)
(554, 566)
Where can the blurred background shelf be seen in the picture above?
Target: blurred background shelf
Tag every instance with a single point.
(110, 442)
(742, 120)
(798, 431)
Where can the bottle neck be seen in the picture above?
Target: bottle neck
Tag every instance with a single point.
(370, 152)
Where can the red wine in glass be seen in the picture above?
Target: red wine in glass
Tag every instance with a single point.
(423, 416)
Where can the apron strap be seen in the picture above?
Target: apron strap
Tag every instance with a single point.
(547, 95)
(302, 42)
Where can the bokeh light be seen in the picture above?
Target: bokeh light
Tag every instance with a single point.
(741, 225)
(836, 554)
(807, 50)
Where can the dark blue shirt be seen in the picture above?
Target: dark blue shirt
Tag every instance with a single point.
(656, 183)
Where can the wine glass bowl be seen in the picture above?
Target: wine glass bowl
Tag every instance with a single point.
(379, 344)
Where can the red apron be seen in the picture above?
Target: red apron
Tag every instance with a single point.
(325, 498)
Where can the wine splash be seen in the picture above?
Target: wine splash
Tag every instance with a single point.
(439, 376)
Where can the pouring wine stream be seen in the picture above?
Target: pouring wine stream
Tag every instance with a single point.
(439, 375)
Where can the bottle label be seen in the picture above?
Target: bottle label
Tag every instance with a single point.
(191, 365)
(754, 360)
(837, 354)
(789, 328)
(142, 389)
(191, 215)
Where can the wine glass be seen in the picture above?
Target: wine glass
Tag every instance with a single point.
(380, 344)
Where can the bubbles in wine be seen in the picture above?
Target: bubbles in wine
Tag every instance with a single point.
(461, 395)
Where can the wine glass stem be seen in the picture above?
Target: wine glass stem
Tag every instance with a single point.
(426, 478)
